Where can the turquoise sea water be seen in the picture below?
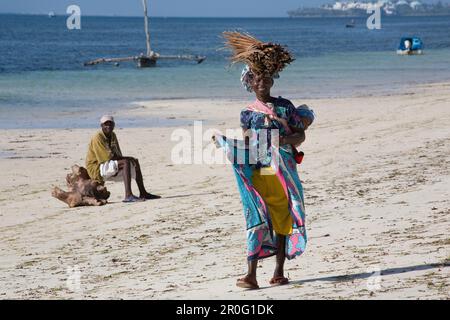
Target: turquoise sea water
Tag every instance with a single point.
(44, 84)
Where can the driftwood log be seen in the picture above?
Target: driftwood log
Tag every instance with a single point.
(82, 191)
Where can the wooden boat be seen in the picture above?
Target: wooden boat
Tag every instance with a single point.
(151, 57)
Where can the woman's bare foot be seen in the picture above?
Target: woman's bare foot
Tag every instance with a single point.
(278, 281)
(247, 283)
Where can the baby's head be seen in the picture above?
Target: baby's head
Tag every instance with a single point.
(304, 116)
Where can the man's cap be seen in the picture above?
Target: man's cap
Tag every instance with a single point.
(106, 118)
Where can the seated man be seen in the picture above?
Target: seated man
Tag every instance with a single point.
(104, 161)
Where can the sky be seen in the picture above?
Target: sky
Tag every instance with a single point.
(164, 8)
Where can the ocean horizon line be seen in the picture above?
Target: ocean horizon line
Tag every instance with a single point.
(210, 17)
(140, 16)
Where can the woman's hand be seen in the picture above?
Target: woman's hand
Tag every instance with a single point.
(282, 121)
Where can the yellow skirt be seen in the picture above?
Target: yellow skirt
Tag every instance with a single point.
(269, 187)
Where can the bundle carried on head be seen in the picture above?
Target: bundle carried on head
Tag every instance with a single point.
(262, 57)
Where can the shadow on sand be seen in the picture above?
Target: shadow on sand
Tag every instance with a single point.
(188, 195)
(385, 272)
(171, 197)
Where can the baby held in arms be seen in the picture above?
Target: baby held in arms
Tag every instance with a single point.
(300, 121)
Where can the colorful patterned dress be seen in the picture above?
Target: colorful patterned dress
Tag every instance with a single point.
(261, 238)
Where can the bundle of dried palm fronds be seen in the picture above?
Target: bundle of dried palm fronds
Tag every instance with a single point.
(262, 57)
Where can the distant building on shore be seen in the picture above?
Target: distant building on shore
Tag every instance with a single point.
(359, 8)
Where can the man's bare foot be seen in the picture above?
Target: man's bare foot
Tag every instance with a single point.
(133, 199)
(149, 196)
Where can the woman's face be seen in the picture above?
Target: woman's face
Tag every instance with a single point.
(261, 84)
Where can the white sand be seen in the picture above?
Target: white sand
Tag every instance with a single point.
(376, 178)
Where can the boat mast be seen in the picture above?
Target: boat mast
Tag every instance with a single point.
(148, 60)
(147, 33)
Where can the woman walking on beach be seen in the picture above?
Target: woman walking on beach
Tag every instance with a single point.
(269, 186)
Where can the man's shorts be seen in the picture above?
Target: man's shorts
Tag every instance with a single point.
(109, 171)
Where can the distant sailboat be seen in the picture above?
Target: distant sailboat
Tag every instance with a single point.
(51, 14)
(351, 24)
